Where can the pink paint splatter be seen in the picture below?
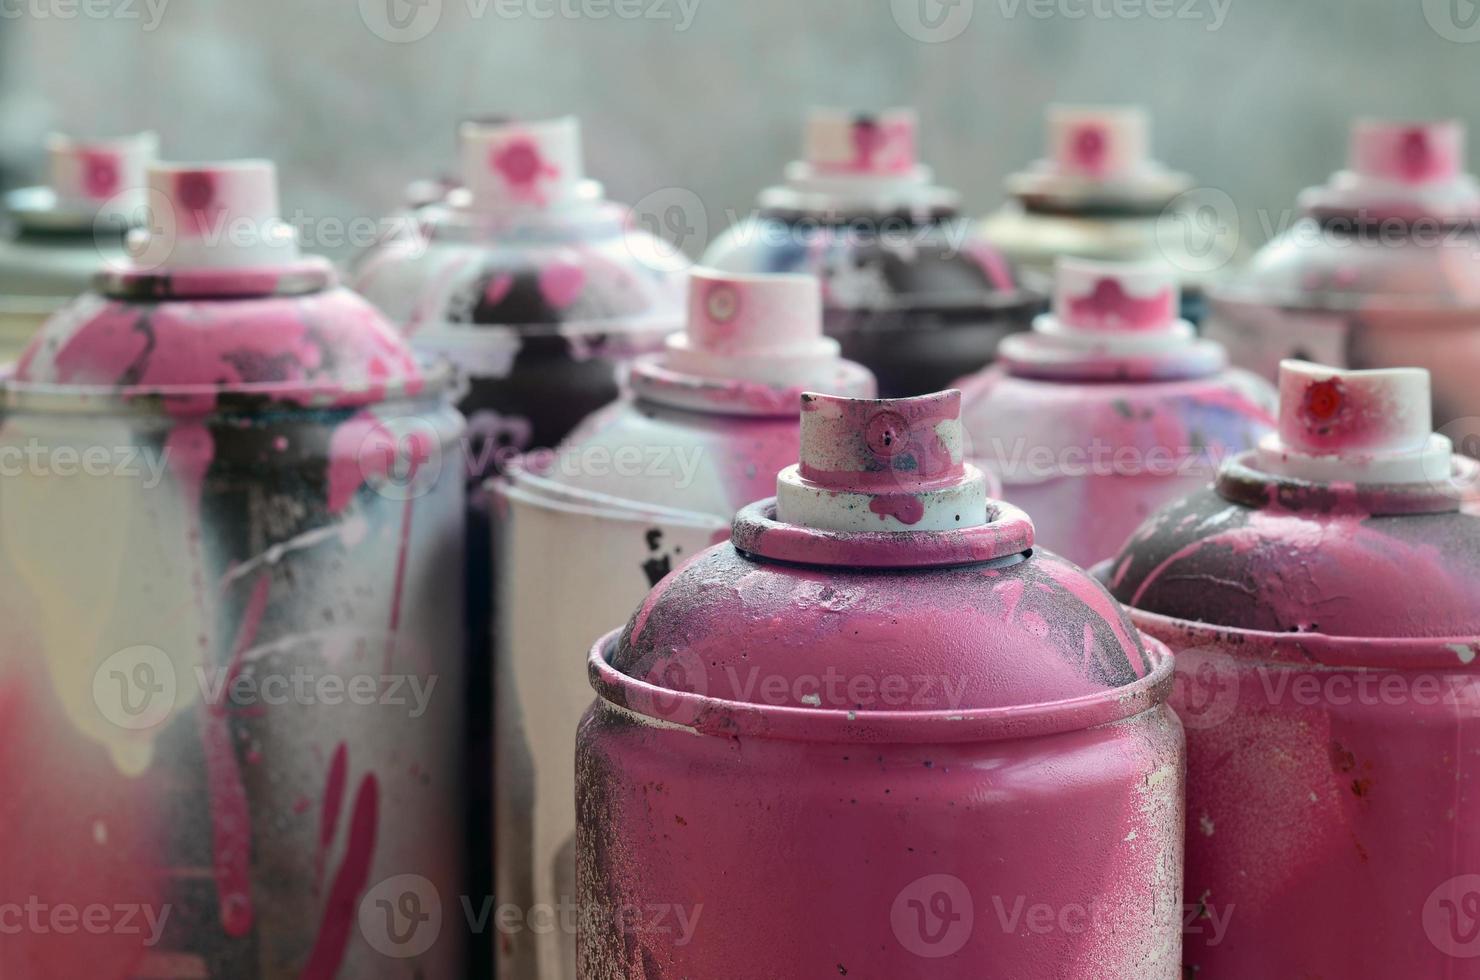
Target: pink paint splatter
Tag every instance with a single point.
(1089, 148)
(1108, 306)
(100, 174)
(231, 830)
(1417, 159)
(903, 507)
(498, 288)
(562, 283)
(341, 907)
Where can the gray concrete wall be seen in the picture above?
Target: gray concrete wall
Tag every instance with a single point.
(1253, 96)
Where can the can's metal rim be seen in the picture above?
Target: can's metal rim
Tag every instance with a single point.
(642, 334)
(1007, 531)
(1240, 481)
(650, 379)
(312, 274)
(520, 485)
(436, 379)
(1041, 190)
(706, 715)
(1392, 653)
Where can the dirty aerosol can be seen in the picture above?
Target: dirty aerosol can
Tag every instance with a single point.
(1382, 269)
(879, 733)
(1323, 604)
(1110, 408)
(1099, 194)
(530, 281)
(910, 291)
(230, 564)
(53, 237)
(585, 531)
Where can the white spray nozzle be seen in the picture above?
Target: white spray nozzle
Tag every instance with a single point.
(509, 164)
(1099, 143)
(213, 216)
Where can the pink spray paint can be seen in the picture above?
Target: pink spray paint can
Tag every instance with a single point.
(538, 289)
(907, 288)
(230, 560)
(528, 280)
(1098, 193)
(1323, 605)
(584, 532)
(1110, 408)
(1382, 269)
(54, 236)
(879, 734)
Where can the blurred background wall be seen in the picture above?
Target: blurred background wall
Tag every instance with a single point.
(356, 97)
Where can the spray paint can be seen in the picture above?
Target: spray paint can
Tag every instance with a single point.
(585, 531)
(879, 733)
(230, 563)
(1382, 269)
(538, 289)
(910, 292)
(1323, 607)
(58, 234)
(528, 280)
(1099, 194)
(1110, 408)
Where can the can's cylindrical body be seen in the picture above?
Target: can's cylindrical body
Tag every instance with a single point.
(1092, 459)
(1400, 295)
(231, 548)
(1325, 637)
(948, 844)
(911, 298)
(897, 752)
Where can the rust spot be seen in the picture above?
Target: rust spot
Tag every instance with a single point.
(1361, 787)
(681, 821)
(1342, 759)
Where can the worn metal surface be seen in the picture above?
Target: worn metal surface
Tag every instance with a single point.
(821, 751)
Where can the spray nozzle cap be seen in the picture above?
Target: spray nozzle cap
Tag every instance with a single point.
(509, 163)
(88, 174)
(213, 216)
(732, 314)
(1115, 298)
(887, 464)
(874, 144)
(1407, 152)
(1371, 426)
(1099, 142)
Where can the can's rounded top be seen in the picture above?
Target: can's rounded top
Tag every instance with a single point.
(1352, 519)
(880, 557)
(860, 163)
(1112, 320)
(92, 184)
(516, 164)
(214, 298)
(1400, 170)
(751, 345)
(1098, 157)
